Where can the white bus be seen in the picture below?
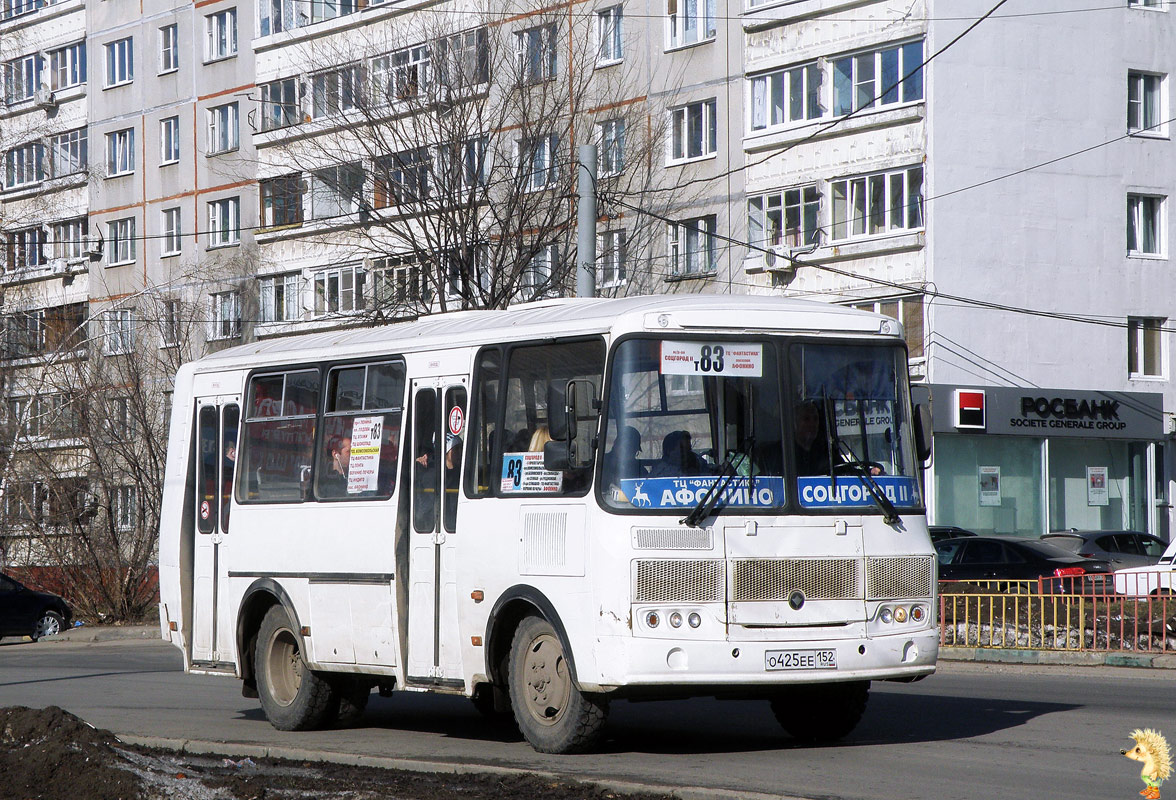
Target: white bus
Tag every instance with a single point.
(553, 506)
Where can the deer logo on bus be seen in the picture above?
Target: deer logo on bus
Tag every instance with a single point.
(640, 498)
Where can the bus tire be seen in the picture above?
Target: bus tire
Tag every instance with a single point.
(824, 712)
(552, 713)
(293, 697)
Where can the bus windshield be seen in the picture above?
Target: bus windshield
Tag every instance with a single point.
(752, 424)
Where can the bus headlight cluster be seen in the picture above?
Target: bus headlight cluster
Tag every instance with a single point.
(899, 614)
(674, 618)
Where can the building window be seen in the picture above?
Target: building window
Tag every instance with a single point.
(120, 153)
(875, 78)
(690, 21)
(1144, 103)
(336, 91)
(611, 135)
(124, 507)
(873, 205)
(224, 222)
(172, 237)
(1146, 346)
(336, 191)
(120, 62)
(330, 9)
(788, 218)
(225, 315)
(280, 301)
(402, 75)
(118, 329)
(169, 140)
(339, 291)
(281, 201)
(120, 241)
(222, 128)
(25, 334)
(24, 165)
(22, 78)
(220, 32)
(693, 131)
(403, 178)
(275, 16)
(25, 249)
(67, 66)
(538, 276)
(69, 239)
(786, 96)
(908, 311)
(397, 282)
(463, 59)
(169, 49)
(67, 153)
(14, 8)
(537, 160)
(463, 164)
(1158, 4)
(172, 322)
(1144, 225)
(611, 258)
(279, 104)
(536, 54)
(609, 27)
(692, 246)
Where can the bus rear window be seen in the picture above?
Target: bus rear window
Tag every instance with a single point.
(278, 446)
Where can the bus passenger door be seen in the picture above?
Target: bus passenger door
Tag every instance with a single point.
(217, 421)
(438, 434)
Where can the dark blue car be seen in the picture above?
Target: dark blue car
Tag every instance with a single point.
(25, 612)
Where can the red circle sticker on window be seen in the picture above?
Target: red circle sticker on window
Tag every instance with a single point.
(204, 510)
(456, 420)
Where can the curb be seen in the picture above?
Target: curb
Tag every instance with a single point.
(235, 750)
(104, 633)
(1070, 658)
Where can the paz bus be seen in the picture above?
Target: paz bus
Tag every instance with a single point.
(553, 506)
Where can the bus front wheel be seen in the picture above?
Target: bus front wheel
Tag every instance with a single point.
(822, 712)
(553, 715)
(292, 696)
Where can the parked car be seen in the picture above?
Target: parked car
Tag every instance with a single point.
(25, 612)
(988, 558)
(1154, 579)
(941, 532)
(1120, 548)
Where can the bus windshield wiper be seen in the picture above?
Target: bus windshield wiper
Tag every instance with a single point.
(862, 469)
(711, 498)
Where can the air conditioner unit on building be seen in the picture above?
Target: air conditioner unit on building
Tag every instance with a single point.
(779, 258)
(44, 98)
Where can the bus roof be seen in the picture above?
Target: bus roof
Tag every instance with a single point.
(562, 317)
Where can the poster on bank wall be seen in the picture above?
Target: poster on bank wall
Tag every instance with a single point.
(990, 486)
(1097, 493)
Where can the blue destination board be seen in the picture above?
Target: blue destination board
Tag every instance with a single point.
(818, 492)
(767, 492)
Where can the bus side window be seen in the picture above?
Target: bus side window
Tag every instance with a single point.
(278, 445)
(483, 431)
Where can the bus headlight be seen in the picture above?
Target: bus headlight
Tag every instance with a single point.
(694, 620)
(918, 613)
(675, 620)
(884, 614)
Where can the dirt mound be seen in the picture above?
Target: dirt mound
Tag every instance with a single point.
(49, 754)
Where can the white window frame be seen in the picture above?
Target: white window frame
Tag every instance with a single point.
(67, 66)
(610, 138)
(223, 129)
(69, 239)
(279, 104)
(224, 315)
(1146, 109)
(22, 78)
(173, 239)
(612, 268)
(1138, 347)
(330, 188)
(280, 297)
(24, 165)
(120, 153)
(275, 16)
(336, 91)
(681, 145)
(865, 74)
(462, 60)
(1148, 5)
(68, 153)
(120, 241)
(690, 22)
(858, 211)
(785, 97)
(118, 331)
(169, 48)
(339, 290)
(120, 62)
(538, 161)
(1146, 211)
(220, 35)
(789, 217)
(537, 276)
(692, 247)
(224, 222)
(610, 36)
(169, 140)
(537, 53)
(125, 507)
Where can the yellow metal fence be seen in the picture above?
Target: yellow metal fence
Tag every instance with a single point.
(1080, 613)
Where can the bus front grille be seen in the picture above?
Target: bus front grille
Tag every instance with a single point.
(776, 579)
(679, 581)
(895, 578)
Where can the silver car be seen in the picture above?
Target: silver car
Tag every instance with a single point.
(1122, 549)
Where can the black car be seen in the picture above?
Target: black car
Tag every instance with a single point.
(986, 558)
(25, 612)
(941, 532)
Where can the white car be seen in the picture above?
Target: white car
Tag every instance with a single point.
(1145, 581)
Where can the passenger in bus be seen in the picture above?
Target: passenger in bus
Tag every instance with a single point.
(812, 448)
(334, 482)
(540, 437)
(678, 458)
(621, 462)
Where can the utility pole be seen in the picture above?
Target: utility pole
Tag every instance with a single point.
(586, 222)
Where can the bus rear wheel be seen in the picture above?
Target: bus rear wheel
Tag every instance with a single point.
(553, 715)
(824, 712)
(293, 697)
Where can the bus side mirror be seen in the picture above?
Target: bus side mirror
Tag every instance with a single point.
(923, 432)
(558, 456)
(557, 411)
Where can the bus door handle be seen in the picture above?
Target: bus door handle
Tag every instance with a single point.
(439, 537)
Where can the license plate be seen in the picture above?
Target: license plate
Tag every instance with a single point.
(800, 659)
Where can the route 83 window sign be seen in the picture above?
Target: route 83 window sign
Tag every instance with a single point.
(737, 359)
